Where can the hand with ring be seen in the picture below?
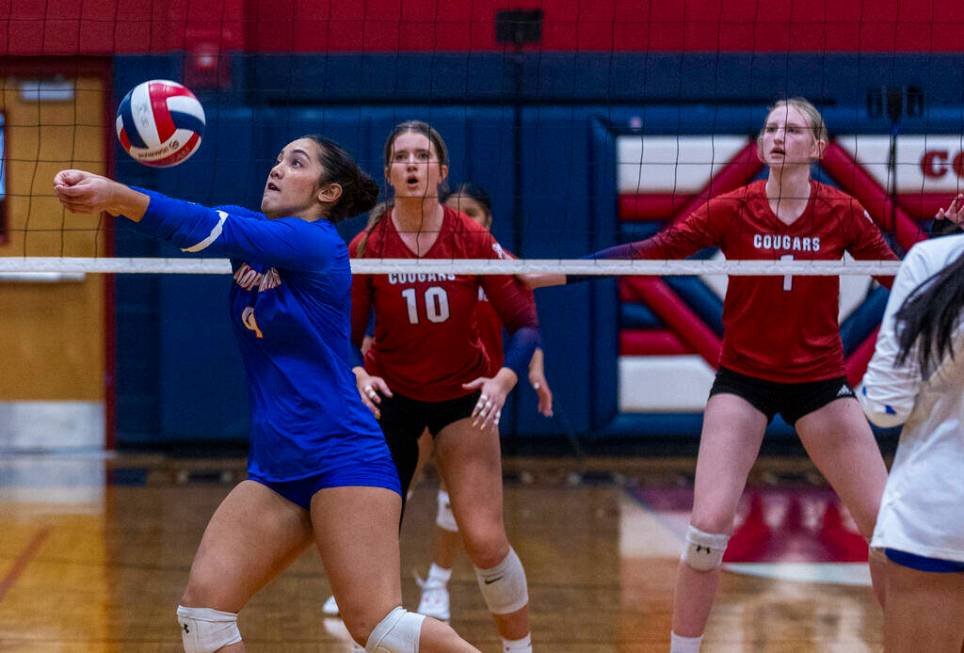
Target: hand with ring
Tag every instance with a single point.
(371, 389)
(488, 409)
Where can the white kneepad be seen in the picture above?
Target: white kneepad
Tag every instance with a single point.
(504, 586)
(704, 551)
(204, 630)
(398, 632)
(445, 518)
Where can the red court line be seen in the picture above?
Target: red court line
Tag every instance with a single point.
(28, 554)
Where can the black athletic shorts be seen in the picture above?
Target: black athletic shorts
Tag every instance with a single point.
(403, 420)
(791, 400)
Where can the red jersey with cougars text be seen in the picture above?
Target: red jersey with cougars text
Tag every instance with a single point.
(426, 337)
(782, 329)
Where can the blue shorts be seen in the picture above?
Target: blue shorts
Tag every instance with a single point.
(923, 563)
(377, 473)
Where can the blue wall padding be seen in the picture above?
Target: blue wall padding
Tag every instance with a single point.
(630, 231)
(701, 299)
(638, 316)
(201, 393)
(740, 83)
(604, 300)
(865, 318)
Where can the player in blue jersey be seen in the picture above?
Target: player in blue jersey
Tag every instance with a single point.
(319, 470)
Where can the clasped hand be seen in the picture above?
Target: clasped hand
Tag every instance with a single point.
(84, 192)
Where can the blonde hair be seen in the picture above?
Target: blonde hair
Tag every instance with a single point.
(804, 106)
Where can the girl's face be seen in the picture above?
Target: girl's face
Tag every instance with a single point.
(293, 188)
(788, 139)
(470, 207)
(413, 169)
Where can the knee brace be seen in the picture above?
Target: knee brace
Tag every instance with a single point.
(445, 518)
(704, 551)
(504, 586)
(204, 630)
(398, 632)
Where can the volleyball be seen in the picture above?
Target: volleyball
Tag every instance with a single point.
(160, 123)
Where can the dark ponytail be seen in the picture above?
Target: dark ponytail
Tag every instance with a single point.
(930, 315)
(441, 151)
(358, 191)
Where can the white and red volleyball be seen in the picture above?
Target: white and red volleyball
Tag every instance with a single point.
(160, 123)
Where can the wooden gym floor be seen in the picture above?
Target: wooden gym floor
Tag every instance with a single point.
(94, 552)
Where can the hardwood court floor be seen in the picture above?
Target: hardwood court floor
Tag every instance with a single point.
(94, 553)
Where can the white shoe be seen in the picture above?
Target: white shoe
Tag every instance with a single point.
(330, 607)
(435, 600)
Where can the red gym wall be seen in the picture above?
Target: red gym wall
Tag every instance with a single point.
(105, 27)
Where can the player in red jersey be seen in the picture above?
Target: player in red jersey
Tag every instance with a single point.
(473, 201)
(782, 351)
(427, 367)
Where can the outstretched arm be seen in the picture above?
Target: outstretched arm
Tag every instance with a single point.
(84, 192)
(700, 229)
(542, 280)
(287, 243)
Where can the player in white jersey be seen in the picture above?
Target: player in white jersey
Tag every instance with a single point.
(916, 378)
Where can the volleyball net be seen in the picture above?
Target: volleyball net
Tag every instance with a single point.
(587, 125)
(410, 266)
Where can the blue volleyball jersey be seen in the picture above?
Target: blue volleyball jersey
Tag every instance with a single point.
(290, 307)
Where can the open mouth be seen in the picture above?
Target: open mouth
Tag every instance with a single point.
(272, 187)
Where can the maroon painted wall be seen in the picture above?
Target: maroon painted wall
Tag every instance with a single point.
(103, 27)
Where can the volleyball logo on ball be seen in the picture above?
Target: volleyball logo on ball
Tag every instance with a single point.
(160, 123)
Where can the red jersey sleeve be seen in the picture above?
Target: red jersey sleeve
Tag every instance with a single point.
(865, 242)
(704, 227)
(513, 302)
(490, 332)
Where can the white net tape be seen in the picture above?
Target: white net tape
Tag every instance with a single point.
(32, 265)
